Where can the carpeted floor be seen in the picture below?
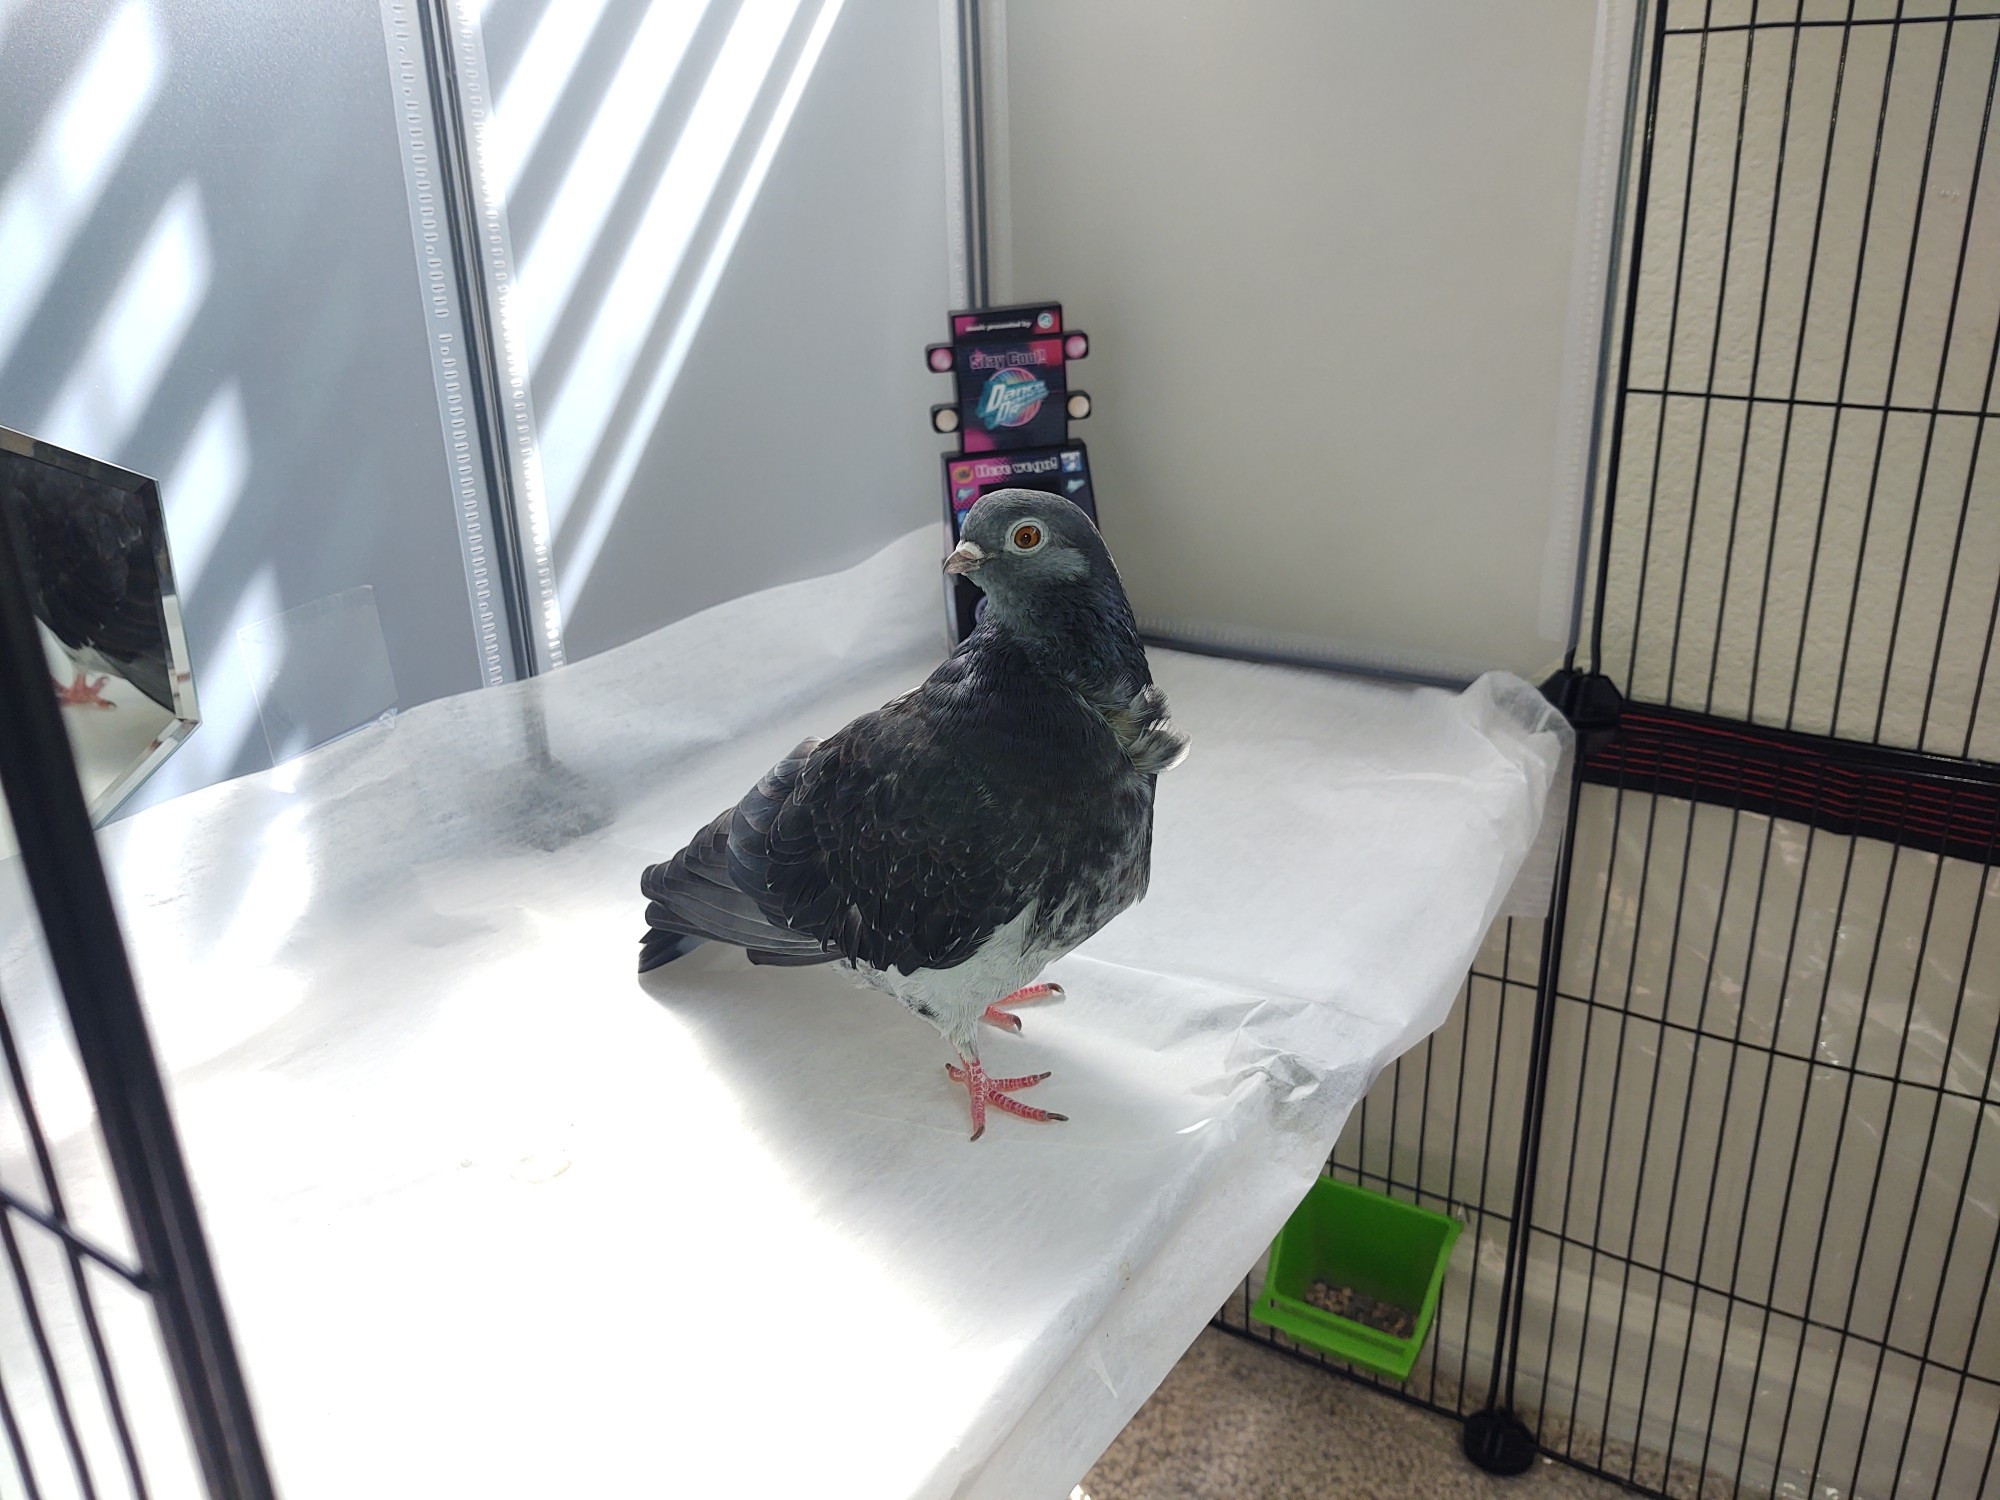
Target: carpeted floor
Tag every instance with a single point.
(1236, 1422)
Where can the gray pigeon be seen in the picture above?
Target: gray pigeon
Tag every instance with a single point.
(956, 841)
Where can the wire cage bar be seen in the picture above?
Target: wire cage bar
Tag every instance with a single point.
(1441, 1128)
(150, 1315)
(1736, 1212)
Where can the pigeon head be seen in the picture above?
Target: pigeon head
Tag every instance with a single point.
(1029, 549)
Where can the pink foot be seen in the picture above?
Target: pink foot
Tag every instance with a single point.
(984, 1091)
(84, 693)
(995, 1016)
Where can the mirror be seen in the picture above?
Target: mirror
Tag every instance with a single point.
(93, 541)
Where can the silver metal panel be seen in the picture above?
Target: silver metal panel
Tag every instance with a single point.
(455, 379)
(205, 274)
(518, 440)
(729, 250)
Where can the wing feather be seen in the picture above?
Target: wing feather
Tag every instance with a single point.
(908, 838)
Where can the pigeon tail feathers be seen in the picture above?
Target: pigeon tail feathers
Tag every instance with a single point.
(657, 948)
(693, 899)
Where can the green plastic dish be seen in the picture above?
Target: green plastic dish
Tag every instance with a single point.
(1392, 1251)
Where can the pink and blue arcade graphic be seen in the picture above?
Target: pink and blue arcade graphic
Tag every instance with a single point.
(1012, 405)
(1062, 469)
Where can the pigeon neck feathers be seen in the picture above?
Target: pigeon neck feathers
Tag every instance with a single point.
(1080, 632)
(1084, 636)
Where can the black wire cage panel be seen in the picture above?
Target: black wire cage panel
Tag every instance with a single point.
(1729, 1153)
(1805, 532)
(1442, 1128)
(118, 1376)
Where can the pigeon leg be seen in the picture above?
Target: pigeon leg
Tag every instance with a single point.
(984, 1090)
(1005, 1020)
(84, 692)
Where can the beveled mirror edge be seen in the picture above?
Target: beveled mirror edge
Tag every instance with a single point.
(164, 744)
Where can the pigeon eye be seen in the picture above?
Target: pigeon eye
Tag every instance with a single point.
(1027, 537)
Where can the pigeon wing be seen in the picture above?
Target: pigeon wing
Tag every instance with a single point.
(887, 845)
(695, 895)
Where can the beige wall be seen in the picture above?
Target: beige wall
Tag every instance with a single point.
(1331, 258)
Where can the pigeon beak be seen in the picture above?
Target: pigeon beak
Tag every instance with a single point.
(965, 558)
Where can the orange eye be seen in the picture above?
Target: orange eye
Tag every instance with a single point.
(1027, 536)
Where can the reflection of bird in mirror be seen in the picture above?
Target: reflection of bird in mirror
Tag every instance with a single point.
(93, 577)
(953, 843)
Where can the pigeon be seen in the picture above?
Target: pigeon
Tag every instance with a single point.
(93, 576)
(953, 843)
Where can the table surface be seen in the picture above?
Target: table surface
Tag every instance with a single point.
(496, 1217)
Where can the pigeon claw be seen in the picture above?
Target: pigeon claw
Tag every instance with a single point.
(84, 693)
(984, 1090)
(994, 1015)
